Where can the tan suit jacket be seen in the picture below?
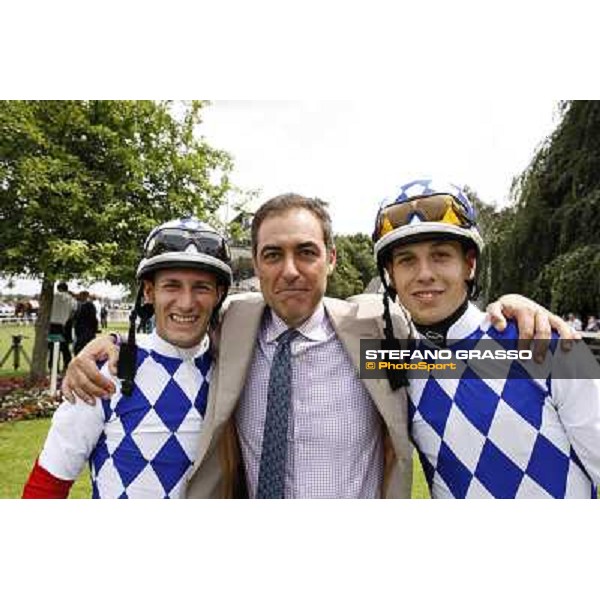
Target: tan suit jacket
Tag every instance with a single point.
(217, 471)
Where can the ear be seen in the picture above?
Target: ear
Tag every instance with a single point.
(148, 291)
(387, 273)
(471, 259)
(332, 260)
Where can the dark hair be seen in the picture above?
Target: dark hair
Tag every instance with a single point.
(285, 202)
(62, 287)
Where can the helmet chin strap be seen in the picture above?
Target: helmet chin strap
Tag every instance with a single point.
(396, 379)
(126, 364)
(181, 243)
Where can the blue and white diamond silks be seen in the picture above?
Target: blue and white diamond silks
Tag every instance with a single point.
(506, 437)
(150, 439)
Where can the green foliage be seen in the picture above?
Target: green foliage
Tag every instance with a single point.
(567, 281)
(546, 244)
(355, 265)
(82, 183)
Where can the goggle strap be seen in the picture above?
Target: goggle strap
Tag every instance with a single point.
(127, 362)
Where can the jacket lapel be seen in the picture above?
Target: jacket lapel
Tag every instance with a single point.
(239, 333)
(350, 331)
(234, 346)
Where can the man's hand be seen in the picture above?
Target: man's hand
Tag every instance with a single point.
(83, 379)
(533, 321)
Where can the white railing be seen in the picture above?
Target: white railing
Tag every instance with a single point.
(115, 315)
(12, 320)
(118, 315)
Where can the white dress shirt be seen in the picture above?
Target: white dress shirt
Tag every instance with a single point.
(335, 446)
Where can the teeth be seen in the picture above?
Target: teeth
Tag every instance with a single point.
(180, 319)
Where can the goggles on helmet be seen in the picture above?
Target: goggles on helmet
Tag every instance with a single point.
(179, 240)
(439, 208)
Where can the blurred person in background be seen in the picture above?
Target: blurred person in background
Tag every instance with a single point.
(63, 307)
(592, 324)
(85, 321)
(104, 316)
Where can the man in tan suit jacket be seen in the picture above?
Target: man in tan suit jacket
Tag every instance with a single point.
(217, 473)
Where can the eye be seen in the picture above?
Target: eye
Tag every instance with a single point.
(402, 259)
(270, 255)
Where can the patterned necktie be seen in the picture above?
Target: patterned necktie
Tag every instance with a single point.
(271, 475)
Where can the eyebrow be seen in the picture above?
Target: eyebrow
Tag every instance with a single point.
(178, 281)
(402, 251)
(300, 246)
(269, 247)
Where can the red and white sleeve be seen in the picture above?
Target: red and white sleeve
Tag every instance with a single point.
(42, 484)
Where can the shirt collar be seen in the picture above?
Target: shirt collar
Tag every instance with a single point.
(466, 324)
(313, 328)
(165, 348)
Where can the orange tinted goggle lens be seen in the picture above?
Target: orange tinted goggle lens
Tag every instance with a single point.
(440, 208)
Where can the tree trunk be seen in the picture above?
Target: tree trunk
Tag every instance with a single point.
(42, 325)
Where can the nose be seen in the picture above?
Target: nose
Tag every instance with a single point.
(290, 270)
(425, 272)
(185, 299)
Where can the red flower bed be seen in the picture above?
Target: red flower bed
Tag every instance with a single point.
(20, 400)
(8, 384)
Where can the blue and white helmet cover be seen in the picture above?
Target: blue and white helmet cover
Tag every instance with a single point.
(424, 187)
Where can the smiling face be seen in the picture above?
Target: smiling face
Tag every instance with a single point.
(292, 263)
(430, 278)
(183, 301)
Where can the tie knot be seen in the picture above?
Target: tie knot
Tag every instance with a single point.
(287, 336)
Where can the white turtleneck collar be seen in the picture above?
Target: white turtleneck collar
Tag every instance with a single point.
(153, 341)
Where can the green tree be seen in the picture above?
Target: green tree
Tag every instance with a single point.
(82, 183)
(546, 243)
(355, 265)
(491, 223)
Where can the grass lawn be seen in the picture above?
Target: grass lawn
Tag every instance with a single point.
(419, 486)
(21, 442)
